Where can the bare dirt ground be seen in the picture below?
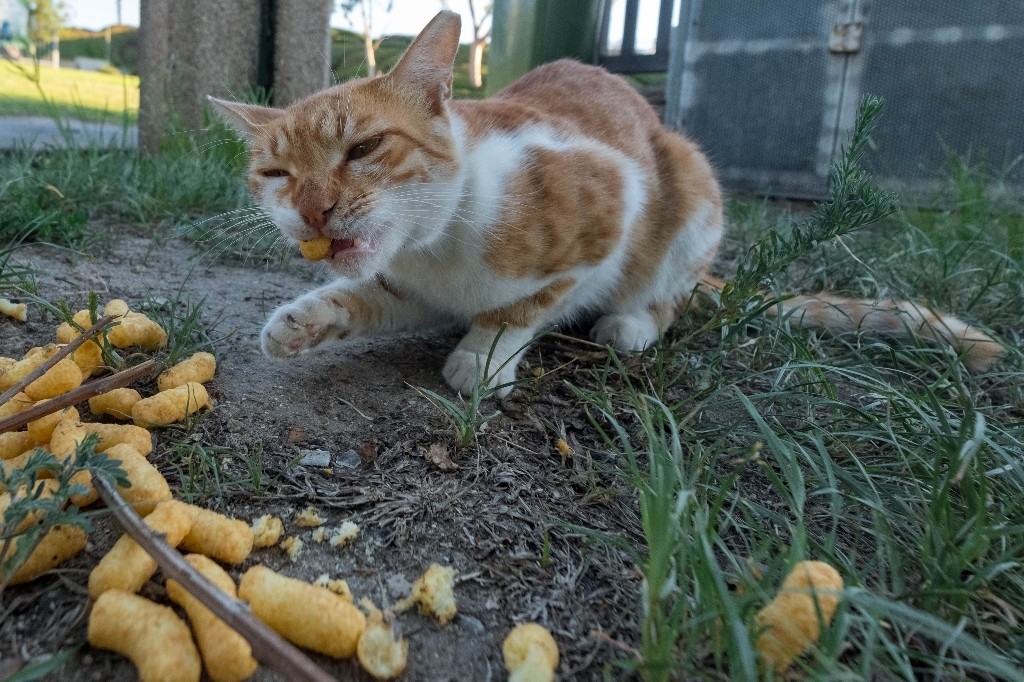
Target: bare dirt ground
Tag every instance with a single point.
(503, 518)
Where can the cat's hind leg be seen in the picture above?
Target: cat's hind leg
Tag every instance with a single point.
(672, 246)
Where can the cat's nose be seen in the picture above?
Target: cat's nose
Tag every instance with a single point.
(316, 217)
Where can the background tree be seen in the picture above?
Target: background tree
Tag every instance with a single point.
(480, 17)
(45, 18)
(366, 12)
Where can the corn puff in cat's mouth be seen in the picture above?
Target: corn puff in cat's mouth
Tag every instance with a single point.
(322, 248)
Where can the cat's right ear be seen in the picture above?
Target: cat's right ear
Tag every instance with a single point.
(250, 120)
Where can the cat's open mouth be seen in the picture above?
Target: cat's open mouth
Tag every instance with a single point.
(352, 246)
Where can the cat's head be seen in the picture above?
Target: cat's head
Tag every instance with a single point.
(362, 162)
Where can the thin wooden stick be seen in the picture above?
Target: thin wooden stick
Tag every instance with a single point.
(57, 357)
(268, 647)
(77, 395)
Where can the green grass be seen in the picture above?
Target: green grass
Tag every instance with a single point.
(52, 196)
(748, 444)
(67, 93)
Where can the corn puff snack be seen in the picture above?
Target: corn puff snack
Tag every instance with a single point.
(66, 333)
(199, 368)
(88, 357)
(338, 586)
(19, 403)
(434, 592)
(41, 430)
(116, 403)
(152, 636)
(315, 249)
(18, 311)
(48, 488)
(267, 531)
(530, 653)
(135, 329)
(115, 308)
(304, 614)
(67, 434)
(226, 654)
(127, 566)
(57, 546)
(148, 486)
(790, 624)
(378, 651)
(59, 379)
(22, 368)
(168, 407)
(13, 443)
(308, 518)
(217, 536)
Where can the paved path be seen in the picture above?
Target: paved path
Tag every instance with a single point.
(40, 132)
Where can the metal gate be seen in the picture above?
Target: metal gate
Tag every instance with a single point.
(772, 92)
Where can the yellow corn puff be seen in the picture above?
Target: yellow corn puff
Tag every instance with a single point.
(60, 378)
(530, 653)
(434, 593)
(135, 329)
(41, 490)
(127, 566)
(378, 651)
(117, 403)
(6, 362)
(13, 443)
(19, 403)
(168, 407)
(148, 486)
(67, 435)
(267, 531)
(226, 654)
(22, 368)
(16, 310)
(115, 308)
(57, 546)
(152, 636)
(88, 357)
(83, 318)
(315, 249)
(41, 430)
(217, 536)
(199, 368)
(304, 614)
(66, 333)
(791, 623)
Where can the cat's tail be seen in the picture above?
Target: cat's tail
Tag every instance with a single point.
(838, 314)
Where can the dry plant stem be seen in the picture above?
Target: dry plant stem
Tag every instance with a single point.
(77, 395)
(268, 647)
(574, 339)
(57, 357)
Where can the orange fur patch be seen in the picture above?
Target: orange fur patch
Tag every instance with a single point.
(526, 312)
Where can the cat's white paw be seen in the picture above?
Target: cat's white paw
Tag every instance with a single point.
(625, 332)
(300, 325)
(464, 372)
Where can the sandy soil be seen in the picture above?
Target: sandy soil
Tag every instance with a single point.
(502, 518)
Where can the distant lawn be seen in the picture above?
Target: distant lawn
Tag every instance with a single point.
(69, 93)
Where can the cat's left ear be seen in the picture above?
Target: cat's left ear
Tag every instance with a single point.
(248, 119)
(428, 63)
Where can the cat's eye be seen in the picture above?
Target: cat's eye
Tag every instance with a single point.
(363, 148)
(274, 173)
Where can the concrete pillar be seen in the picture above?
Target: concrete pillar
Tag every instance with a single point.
(189, 49)
(302, 49)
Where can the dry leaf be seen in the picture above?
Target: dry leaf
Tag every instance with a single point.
(367, 451)
(297, 435)
(437, 454)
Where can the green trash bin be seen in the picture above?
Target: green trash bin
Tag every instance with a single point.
(528, 33)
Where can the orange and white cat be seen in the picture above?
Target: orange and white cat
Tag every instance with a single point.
(559, 198)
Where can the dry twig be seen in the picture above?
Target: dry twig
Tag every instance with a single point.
(268, 647)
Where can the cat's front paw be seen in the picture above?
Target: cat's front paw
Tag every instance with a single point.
(299, 326)
(464, 372)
